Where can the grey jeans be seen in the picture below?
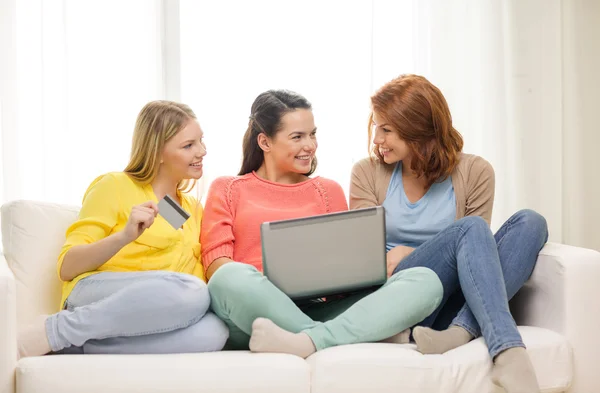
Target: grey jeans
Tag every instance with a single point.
(137, 313)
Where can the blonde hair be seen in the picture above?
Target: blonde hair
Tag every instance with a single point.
(157, 122)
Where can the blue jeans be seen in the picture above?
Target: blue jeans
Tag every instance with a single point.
(134, 313)
(480, 272)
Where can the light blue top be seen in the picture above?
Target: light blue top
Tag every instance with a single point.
(411, 224)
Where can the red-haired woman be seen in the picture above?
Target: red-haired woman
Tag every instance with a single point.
(438, 204)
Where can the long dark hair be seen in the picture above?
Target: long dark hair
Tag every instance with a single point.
(267, 111)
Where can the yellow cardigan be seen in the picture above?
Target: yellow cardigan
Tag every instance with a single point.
(105, 210)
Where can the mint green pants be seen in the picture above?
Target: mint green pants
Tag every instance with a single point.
(240, 294)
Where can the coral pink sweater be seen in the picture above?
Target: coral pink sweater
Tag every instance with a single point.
(236, 206)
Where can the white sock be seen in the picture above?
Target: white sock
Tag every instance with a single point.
(401, 338)
(514, 372)
(33, 340)
(431, 341)
(268, 337)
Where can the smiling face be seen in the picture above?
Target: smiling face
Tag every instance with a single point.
(182, 154)
(293, 148)
(388, 142)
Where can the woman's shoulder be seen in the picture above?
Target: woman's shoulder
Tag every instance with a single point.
(473, 165)
(372, 164)
(110, 189)
(372, 167)
(222, 181)
(229, 188)
(225, 183)
(112, 178)
(333, 194)
(328, 183)
(111, 181)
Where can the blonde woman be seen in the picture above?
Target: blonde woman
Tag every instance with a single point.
(131, 282)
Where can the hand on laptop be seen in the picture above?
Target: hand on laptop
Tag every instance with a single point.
(395, 256)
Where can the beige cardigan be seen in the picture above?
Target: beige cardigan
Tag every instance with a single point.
(473, 181)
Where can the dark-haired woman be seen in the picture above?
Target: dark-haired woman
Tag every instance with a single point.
(275, 183)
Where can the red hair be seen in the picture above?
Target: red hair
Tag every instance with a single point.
(419, 113)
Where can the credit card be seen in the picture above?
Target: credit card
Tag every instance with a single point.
(171, 211)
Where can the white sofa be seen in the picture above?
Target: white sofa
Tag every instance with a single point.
(558, 310)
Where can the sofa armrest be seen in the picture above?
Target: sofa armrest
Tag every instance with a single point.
(8, 328)
(562, 295)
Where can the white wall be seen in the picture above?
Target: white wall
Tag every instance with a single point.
(581, 128)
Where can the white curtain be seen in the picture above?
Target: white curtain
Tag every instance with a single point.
(522, 81)
(499, 65)
(75, 74)
(519, 77)
(231, 51)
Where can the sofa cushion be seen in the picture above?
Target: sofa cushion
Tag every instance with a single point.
(229, 372)
(32, 236)
(387, 367)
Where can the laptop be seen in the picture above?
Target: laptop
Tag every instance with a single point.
(323, 255)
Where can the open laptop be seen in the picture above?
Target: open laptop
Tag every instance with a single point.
(328, 254)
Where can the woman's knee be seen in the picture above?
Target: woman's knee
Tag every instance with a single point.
(429, 284)
(188, 293)
(533, 221)
(213, 335)
(475, 222)
(431, 281)
(230, 277)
